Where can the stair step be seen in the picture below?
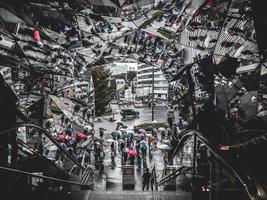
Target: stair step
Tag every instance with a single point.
(137, 195)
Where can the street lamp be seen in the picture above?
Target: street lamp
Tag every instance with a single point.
(153, 85)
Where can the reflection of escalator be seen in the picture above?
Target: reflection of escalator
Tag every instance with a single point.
(213, 176)
(35, 175)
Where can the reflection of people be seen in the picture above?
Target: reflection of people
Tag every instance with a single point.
(170, 116)
(166, 157)
(251, 152)
(39, 148)
(257, 141)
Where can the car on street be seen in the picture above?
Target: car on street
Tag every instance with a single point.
(129, 113)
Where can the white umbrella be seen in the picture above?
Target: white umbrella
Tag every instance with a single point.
(168, 142)
(88, 127)
(120, 122)
(142, 130)
(110, 140)
(161, 129)
(143, 141)
(164, 147)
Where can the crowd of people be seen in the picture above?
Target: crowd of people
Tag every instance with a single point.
(134, 147)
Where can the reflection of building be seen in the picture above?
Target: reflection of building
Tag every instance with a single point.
(78, 89)
(6, 72)
(122, 68)
(107, 7)
(144, 82)
(120, 88)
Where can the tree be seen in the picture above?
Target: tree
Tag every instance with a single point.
(103, 92)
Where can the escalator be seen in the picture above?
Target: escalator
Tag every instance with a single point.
(41, 168)
(209, 174)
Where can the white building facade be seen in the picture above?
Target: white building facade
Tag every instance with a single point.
(145, 82)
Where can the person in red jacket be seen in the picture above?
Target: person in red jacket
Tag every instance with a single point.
(37, 38)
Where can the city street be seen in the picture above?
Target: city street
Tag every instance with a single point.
(112, 179)
(125, 99)
(145, 116)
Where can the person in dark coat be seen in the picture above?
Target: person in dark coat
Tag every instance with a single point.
(146, 179)
(251, 152)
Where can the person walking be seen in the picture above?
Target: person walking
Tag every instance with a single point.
(62, 119)
(170, 117)
(101, 132)
(146, 179)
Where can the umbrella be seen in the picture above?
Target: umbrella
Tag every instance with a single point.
(110, 140)
(114, 134)
(68, 138)
(97, 139)
(81, 135)
(167, 142)
(61, 138)
(130, 133)
(85, 143)
(88, 127)
(120, 123)
(131, 153)
(162, 129)
(164, 147)
(141, 131)
(121, 141)
(125, 150)
(123, 130)
(143, 142)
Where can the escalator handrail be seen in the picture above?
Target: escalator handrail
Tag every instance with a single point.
(180, 170)
(23, 124)
(40, 176)
(244, 180)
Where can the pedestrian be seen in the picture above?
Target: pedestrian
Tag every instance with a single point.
(131, 155)
(150, 140)
(76, 108)
(84, 113)
(101, 132)
(166, 158)
(146, 179)
(122, 145)
(170, 116)
(143, 149)
(88, 114)
(125, 155)
(62, 119)
(152, 181)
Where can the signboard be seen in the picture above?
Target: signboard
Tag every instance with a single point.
(128, 175)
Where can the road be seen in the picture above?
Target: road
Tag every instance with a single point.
(145, 116)
(112, 178)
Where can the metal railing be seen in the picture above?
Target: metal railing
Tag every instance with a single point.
(47, 134)
(40, 176)
(251, 186)
(177, 172)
